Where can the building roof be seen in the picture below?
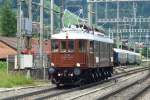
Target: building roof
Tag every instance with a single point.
(8, 46)
(9, 41)
(5, 50)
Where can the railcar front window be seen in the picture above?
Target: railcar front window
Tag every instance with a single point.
(63, 46)
(82, 46)
(71, 46)
(55, 46)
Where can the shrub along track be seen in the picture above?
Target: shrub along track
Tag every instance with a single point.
(54, 92)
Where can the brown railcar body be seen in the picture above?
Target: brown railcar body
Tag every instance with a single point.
(99, 57)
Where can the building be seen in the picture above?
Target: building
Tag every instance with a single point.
(8, 46)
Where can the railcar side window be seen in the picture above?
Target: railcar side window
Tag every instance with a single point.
(105, 54)
(63, 46)
(101, 49)
(82, 46)
(71, 46)
(91, 46)
(55, 45)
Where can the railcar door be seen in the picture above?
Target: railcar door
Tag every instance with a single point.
(96, 54)
(81, 56)
(67, 53)
(111, 54)
(103, 54)
(55, 52)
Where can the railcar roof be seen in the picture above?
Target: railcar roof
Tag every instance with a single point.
(81, 34)
(120, 50)
(126, 51)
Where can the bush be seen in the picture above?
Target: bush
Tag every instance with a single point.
(12, 79)
(3, 65)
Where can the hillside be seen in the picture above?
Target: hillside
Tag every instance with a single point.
(69, 18)
(142, 8)
(126, 10)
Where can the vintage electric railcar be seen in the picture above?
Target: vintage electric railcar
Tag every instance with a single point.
(80, 55)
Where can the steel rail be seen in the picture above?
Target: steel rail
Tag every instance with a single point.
(121, 89)
(93, 84)
(139, 93)
(27, 94)
(115, 77)
(30, 94)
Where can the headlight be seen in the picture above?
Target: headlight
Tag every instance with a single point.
(52, 64)
(78, 64)
(51, 70)
(77, 71)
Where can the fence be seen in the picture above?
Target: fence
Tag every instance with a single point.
(38, 71)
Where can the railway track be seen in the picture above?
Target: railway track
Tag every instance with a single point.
(139, 93)
(128, 91)
(54, 92)
(102, 93)
(143, 95)
(19, 96)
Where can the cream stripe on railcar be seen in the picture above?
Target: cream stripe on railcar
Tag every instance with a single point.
(80, 35)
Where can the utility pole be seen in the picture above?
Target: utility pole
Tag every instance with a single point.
(134, 12)
(41, 35)
(96, 15)
(30, 9)
(106, 10)
(147, 50)
(130, 38)
(61, 14)
(118, 25)
(147, 44)
(140, 27)
(28, 37)
(52, 17)
(90, 13)
(19, 23)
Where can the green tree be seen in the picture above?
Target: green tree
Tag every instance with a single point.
(8, 20)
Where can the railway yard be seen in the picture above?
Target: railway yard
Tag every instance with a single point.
(127, 83)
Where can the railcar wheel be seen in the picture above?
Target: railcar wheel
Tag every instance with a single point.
(58, 85)
(96, 75)
(110, 74)
(82, 82)
(100, 76)
(93, 77)
(103, 76)
(107, 75)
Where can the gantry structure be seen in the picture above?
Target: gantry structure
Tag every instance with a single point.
(133, 28)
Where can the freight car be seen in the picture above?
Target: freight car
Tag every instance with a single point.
(125, 57)
(133, 58)
(120, 57)
(138, 58)
(80, 55)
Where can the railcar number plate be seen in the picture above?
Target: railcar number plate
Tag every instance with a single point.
(68, 56)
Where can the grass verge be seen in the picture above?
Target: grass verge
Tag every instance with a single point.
(8, 80)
